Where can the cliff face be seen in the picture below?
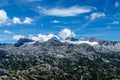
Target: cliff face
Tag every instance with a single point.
(56, 60)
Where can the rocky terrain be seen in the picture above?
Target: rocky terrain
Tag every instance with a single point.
(72, 59)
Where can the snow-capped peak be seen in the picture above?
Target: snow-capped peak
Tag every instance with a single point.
(81, 42)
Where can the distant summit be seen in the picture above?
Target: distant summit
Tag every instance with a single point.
(102, 42)
(72, 39)
(21, 41)
(53, 40)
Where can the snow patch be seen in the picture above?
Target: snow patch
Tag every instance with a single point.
(30, 43)
(81, 42)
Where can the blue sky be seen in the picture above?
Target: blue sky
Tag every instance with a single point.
(84, 18)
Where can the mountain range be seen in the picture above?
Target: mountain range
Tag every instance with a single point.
(70, 59)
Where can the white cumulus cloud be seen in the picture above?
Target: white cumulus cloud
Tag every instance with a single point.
(17, 37)
(96, 15)
(27, 20)
(41, 37)
(3, 17)
(5, 20)
(16, 20)
(7, 32)
(65, 33)
(35, 38)
(66, 12)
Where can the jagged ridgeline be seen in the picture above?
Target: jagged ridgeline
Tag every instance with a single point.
(72, 59)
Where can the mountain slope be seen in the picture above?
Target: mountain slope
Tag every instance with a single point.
(56, 60)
